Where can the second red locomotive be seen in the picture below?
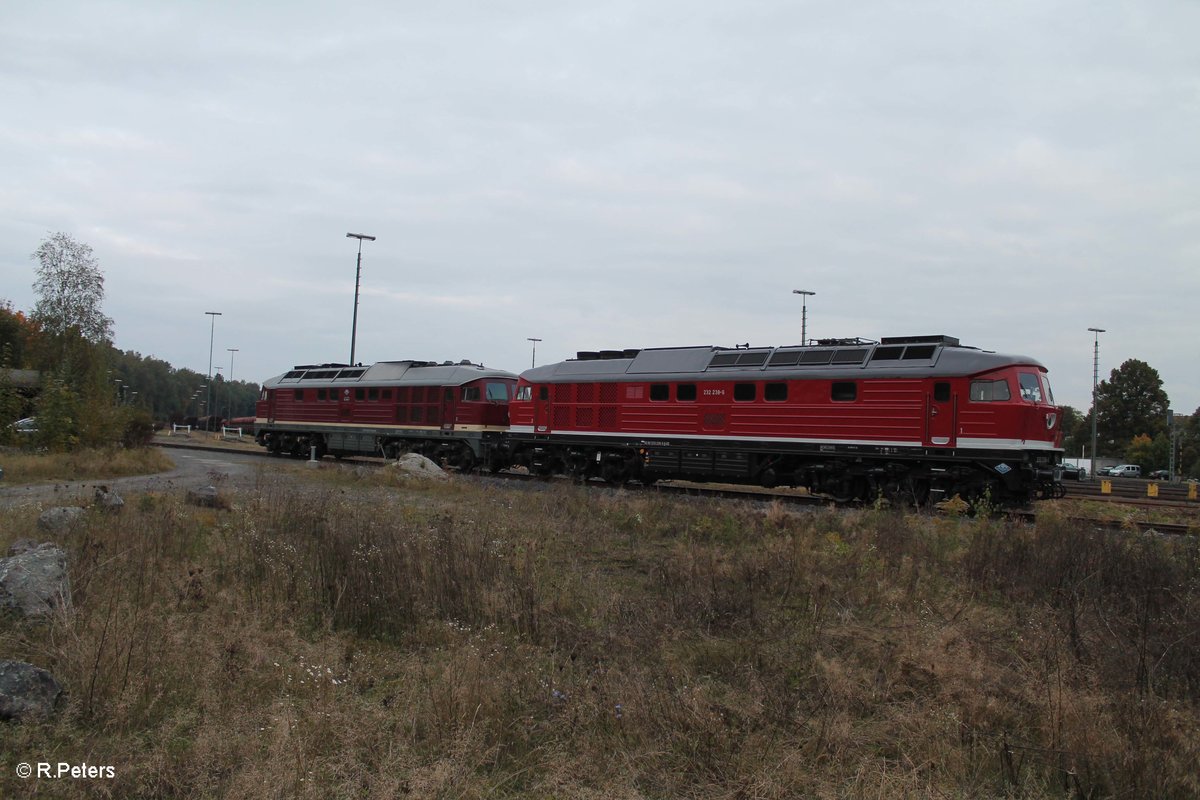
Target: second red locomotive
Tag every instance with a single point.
(453, 412)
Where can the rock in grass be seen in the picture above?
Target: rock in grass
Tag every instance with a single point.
(416, 465)
(205, 496)
(27, 692)
(108, 500)
(34, 583)
(60, 519)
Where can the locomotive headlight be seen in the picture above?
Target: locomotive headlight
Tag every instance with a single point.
(1050, 420)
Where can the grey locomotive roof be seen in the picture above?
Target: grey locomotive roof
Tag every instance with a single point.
(405, 373)
(932, 356)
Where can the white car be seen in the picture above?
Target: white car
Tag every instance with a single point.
(1126, 471)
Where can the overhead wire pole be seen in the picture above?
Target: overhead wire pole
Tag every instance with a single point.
(1095, 383)
(211, 333)
(231, 350)
(804, 295)
(357, 280)
(533, 361)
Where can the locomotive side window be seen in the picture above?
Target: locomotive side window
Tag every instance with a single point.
(1031, 390)
(497, 391)
(471, 394)
(525, 393)
(775, 392)
(372, 394)
(941, 392)
(660, 392)
(843, 391)
(990, 391)
(686, 392)
(298, 394)
(744, 392)
(543, 393)
(387, 394)
(1049, 391)
(358, 394)
(321, 393)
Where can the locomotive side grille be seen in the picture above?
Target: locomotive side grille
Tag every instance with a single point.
(584, 417)
(608, 393)
(562, 393)
(608, 416)
(585, 392)
(562, 417)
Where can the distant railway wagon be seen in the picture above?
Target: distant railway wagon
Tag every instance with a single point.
(912, 418)
(454, 412)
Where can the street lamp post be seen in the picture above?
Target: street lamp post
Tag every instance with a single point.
(357, 278)
(533, 362)
(1095, 383)
(211, 333)
(804, 295)
(231, 350)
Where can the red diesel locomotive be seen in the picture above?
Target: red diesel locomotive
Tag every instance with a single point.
(913, 419)
(456, 413)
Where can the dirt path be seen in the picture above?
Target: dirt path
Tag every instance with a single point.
(192, 470)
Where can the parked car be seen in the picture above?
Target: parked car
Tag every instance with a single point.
(1072, 472)
(1160, 475)
(25, 427)
(1126, 471)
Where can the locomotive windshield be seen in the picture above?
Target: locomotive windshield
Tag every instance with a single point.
(1031, 390)
(497, 391)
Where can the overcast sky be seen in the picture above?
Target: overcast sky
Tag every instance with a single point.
(613, 175)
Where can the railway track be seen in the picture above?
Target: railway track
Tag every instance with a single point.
(1126, 495)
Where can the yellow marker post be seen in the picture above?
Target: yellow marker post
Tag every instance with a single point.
(1191, 491)
(1152, 490)
(1105, 487)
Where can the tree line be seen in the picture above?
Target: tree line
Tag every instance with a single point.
(90, 393)
(1134, 423)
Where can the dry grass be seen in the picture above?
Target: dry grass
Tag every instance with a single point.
(23, 466)
(365, 638)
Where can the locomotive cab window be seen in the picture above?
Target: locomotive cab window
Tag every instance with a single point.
(843, 391)
(744, 392)
(995, 391)
(775, 392)
(1031, 390)
(660, 392)
(685, 392)
(497, 392)
(525, 393)
(470, 394)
